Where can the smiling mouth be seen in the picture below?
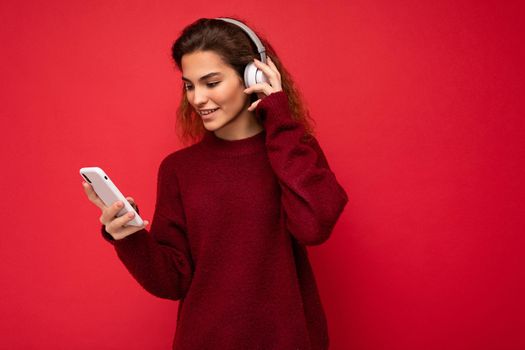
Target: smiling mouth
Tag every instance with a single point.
(207, 111)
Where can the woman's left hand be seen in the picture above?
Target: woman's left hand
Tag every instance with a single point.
(264, 89)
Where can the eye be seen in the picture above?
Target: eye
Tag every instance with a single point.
(215, 83)
(187, 87)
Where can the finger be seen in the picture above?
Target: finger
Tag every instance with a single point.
(273, 66)
(126, 232)
(260, 87)
(264, 67)
(109, 213)
(119, 232)
(274, 77)
(116, 225)
(92, 196)
(254, 105)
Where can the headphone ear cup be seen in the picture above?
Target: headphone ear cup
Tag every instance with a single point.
(253, 75)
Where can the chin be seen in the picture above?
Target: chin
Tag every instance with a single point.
(213, 125)
(209, 127)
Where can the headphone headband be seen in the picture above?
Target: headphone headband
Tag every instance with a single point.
(251, 34)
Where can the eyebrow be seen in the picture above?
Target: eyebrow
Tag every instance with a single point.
(204, 77)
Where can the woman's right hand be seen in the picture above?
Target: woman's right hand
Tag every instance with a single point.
(114, 225)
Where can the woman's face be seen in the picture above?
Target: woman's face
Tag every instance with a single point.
(211, 84)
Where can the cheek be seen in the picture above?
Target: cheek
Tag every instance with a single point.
(231, 95)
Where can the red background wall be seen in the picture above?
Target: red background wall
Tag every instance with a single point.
(418, 110)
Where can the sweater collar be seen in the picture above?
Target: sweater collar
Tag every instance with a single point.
(248, 145)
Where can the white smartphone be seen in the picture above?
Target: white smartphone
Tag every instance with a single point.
(109, 193)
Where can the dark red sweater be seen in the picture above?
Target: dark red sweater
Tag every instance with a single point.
(228, 237)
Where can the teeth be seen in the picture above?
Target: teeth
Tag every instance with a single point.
(208, 112)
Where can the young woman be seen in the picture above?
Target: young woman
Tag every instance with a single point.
(236, 209)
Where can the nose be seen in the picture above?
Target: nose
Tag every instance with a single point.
(199, 97)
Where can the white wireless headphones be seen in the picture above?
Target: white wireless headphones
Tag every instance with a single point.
(252, 74)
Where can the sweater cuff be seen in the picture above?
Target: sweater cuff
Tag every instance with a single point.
(275, 104)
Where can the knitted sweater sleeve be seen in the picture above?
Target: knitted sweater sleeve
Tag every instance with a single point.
(311, 197)
(160, 259)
